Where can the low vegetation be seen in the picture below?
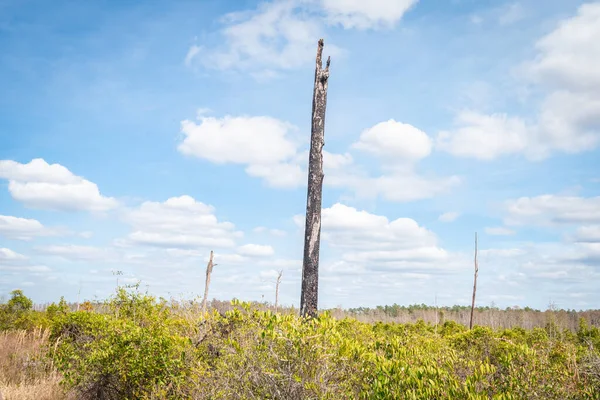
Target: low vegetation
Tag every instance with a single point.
(134, 346)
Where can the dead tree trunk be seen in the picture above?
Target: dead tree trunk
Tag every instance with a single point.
(209, 268)
(474, 285)
(312, 233)
(78, 294)
(277, 290)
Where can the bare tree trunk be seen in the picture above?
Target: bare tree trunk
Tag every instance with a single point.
(474, 285)
(277, 290)
(78, 294)
(436, 314)
(209, 268)
(312, 233)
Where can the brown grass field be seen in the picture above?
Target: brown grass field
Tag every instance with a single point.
(24, 373)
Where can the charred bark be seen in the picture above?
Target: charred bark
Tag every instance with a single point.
(312, 233)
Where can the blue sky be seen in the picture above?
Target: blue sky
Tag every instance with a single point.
(137, 137)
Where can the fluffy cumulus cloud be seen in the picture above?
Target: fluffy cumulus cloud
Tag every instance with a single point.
(567, 56)
(23, 228)
(38, 184)
(368, 241)
(395, 141)
(242, 140)
(366, 14)
(269, 150)
(565, 69)
(568, 62)
(398, 148)
(263, 144)
(179, 222)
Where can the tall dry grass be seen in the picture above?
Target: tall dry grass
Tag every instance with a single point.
(25, 374)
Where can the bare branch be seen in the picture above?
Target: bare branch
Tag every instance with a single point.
(474, 285)
(277, 289)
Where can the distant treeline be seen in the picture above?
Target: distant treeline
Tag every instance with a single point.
(510, 317)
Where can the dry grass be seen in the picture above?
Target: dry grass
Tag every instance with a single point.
(24, 373)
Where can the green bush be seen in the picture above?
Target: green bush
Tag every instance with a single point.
(17, 313)
(138, 347)
(129, 357)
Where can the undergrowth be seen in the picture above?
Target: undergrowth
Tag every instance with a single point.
(140, 347)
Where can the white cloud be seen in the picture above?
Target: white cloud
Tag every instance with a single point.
(7, 255)
(333, 161)
(397, 186)
(511, 13)
(13, 261)
(484, 137)
(75, 252)
(23, 228)
(568, 56)
(395, 141)
(273, 232)
(255, 250)
(179, 222)
(398, 147)
(366, 14)
(276, 36)
(270, 274)
(368, 241)
(476, 19)
(560, 263)
(346, 226)
(284, 175)
(499, 231)
(567, 70)
(448, 216)
(281, 35)
(588, 233)
(191, 54)
(38, 184)
(263, 144)
(86, 234)
(503, 253)
(551, 209)
(241, 140)
(282, 263)
(267, 148)
(203, 112)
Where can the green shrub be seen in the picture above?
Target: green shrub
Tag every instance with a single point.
(142, 348)
(130, 357)
(17, 313)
